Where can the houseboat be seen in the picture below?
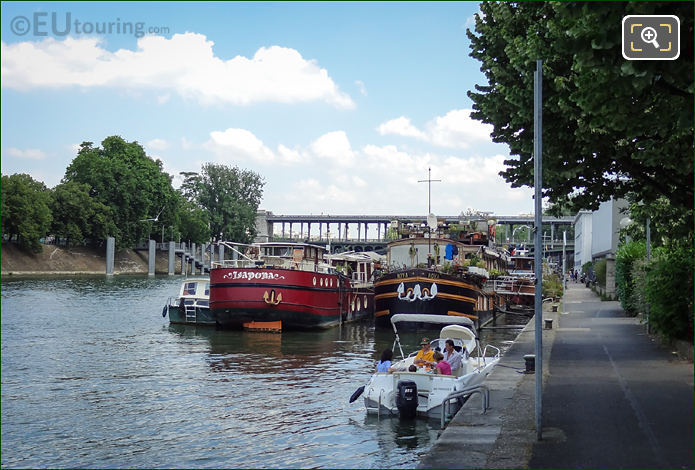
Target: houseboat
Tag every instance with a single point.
(440, 274)
(285, 284)
(191, 306)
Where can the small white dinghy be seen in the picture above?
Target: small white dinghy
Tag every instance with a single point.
(423, 393)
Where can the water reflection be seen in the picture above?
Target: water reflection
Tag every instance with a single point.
(93, 376)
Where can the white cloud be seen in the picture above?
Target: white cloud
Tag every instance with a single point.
(234, 144)
(30, 154)
(360, 85)
(185, 64)
(186, 144)
(400, 126)
(334, 146)
(157, 144)
(456, 129)
(290, 156)
(238, 145)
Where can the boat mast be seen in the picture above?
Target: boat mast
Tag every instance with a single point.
(429, 182)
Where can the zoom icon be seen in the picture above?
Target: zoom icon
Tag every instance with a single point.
(651, 37)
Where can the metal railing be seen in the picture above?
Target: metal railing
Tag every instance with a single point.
(466, 392)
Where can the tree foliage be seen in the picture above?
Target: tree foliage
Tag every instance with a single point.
(610, 126)
(669, 294)
(628, 254)
(134, 186)
(77, 216)
(230, 196)
(25, 210)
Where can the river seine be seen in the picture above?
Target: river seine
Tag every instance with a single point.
(93, 376)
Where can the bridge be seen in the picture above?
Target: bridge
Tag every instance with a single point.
(351, 232)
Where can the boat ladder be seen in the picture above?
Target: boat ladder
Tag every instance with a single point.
(190, 313)
(465, 393)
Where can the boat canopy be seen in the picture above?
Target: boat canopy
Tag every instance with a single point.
(468, 339)
(425, 318)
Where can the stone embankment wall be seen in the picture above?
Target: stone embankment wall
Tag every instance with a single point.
(77, 260)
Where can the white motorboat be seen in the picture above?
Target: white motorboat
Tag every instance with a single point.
(424, 393)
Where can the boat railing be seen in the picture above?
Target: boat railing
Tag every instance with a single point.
(274, 262)
(495, 356)
(466, 392)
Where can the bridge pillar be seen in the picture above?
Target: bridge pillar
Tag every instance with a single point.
(359, 229)
(346, 231)
(308, 230)
(151, 253)
(110, 255)
(172, 258)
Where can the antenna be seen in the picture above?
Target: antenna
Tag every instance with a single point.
(431, 220)
(429, 182)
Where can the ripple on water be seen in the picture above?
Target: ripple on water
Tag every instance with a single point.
(93, 376)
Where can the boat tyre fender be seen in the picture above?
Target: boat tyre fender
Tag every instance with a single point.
(164, 311)
(357, 394)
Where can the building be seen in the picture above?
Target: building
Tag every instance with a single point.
(582, 239)
(596, 237)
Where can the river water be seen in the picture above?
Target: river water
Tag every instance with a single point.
(93, 376)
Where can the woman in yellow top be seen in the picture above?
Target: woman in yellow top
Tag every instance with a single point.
(425, 356)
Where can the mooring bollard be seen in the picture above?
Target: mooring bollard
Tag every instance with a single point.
(554, 308)
(530, 363)
(548, 323)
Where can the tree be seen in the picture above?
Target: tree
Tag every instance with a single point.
(134, 186)
(77, 216)
(610, 126)
(193, 223)
(230, 196)
(25, 211)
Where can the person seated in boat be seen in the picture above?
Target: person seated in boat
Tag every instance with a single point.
(384, 364)
(442, 367)
(424, 356)
(412, 368)
(452, 356)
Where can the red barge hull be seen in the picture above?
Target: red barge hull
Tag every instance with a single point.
(298, 299)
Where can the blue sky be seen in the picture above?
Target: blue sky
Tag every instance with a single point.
(341, 107)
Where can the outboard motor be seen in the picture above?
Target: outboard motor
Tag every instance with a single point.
(406, 400)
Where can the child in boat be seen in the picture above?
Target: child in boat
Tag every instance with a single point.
(442, 366)
(385, 362)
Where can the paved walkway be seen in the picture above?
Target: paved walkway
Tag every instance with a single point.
(613, 398)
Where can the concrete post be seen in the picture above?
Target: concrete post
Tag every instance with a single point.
(202, 258)
(610, 275)
(193, 254)
(221, 253)
(110, 255)
(151, 253)
(172, 258)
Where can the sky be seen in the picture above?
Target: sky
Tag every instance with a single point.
(341, 107)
